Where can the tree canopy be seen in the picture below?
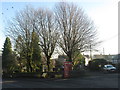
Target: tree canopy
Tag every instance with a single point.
(77, 31)
(67, 27)
(8, 59)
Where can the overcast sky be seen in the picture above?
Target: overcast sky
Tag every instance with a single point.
(104, 13)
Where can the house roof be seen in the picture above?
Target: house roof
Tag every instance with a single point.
(108, 57)
(87, 56)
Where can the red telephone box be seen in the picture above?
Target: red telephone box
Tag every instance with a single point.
(67, 69)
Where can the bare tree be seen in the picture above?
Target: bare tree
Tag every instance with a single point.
(47, 30)
(41, 21)
(77, 31)
(22, 26)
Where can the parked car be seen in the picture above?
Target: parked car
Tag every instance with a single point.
(109, 68)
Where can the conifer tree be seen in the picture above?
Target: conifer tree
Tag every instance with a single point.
(36, 52)
(7, 57)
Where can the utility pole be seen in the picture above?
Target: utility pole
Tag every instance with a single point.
(90, 52)
(103, 51)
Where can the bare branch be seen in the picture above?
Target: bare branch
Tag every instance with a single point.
(77, 31)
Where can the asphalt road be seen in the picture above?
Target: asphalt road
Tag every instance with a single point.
(95, 81)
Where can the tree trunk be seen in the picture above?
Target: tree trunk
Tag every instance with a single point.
(48, 63)
(69, 57)
(19, 61)
(29, 67)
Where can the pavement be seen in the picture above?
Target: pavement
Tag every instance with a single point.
(93, 80)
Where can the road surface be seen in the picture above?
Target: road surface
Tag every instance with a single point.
(98, 81)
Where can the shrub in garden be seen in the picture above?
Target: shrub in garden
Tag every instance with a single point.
(96, 64)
